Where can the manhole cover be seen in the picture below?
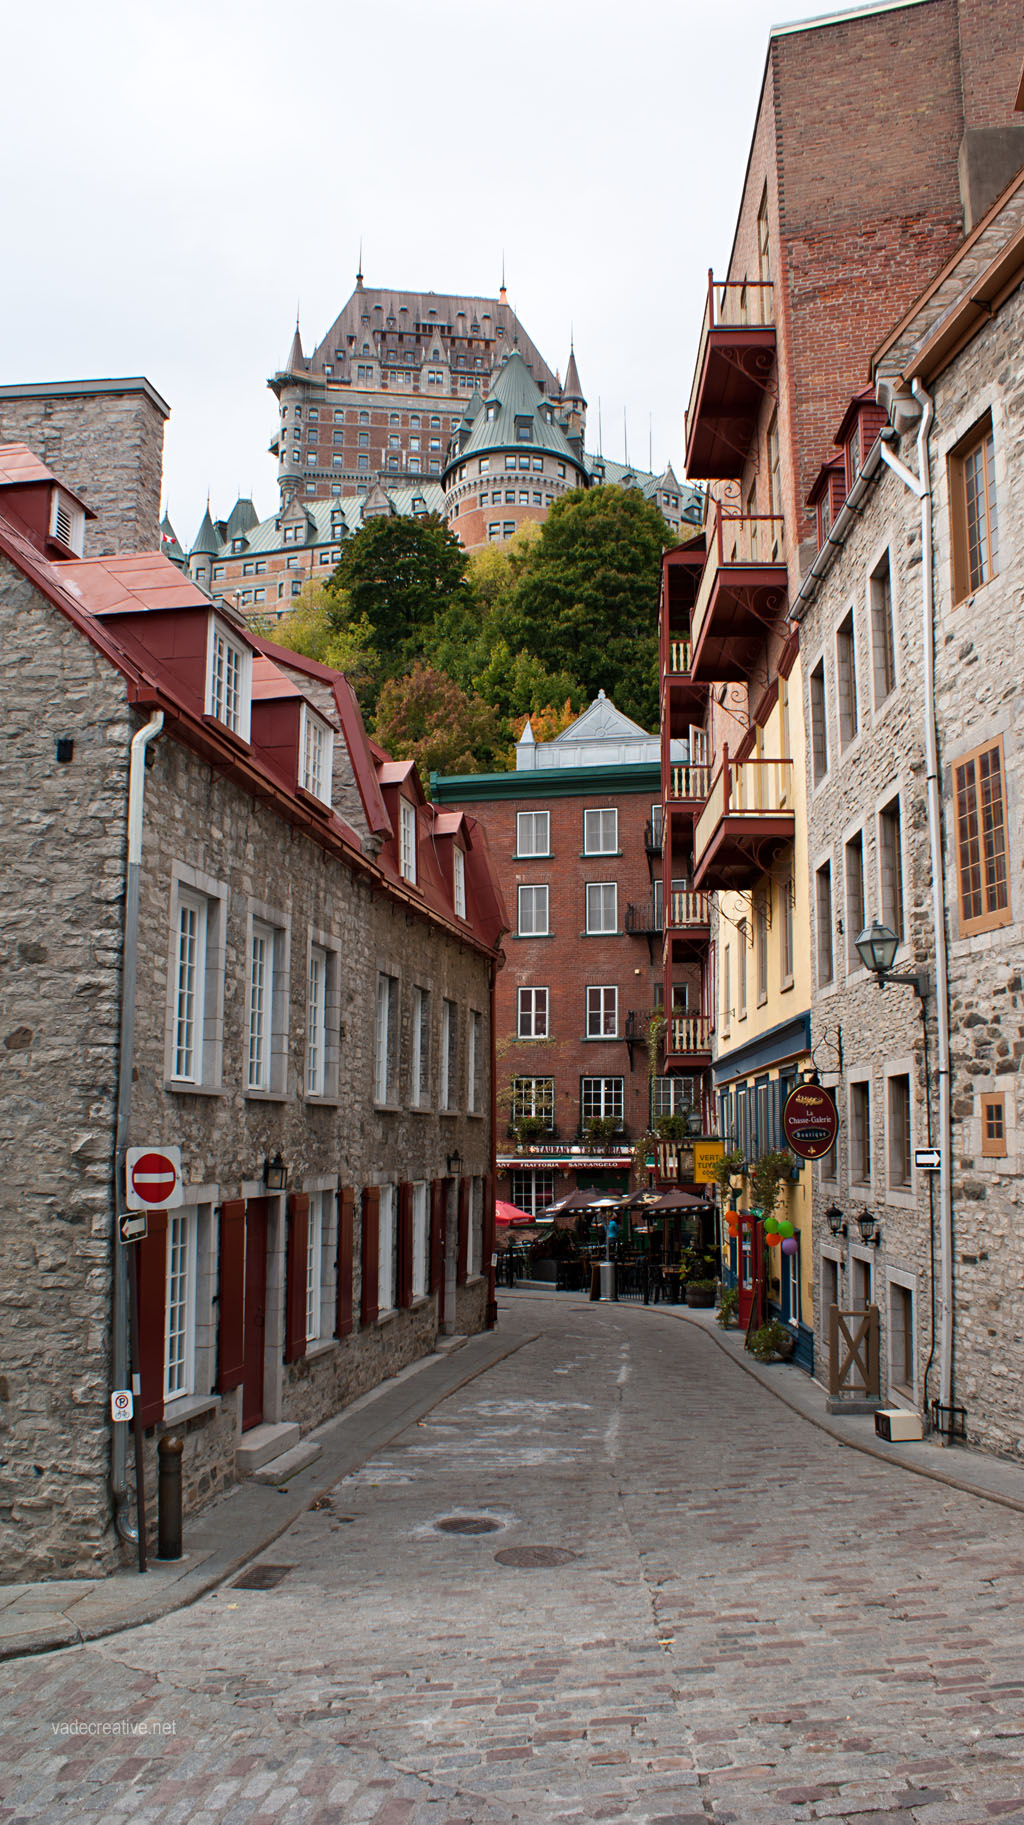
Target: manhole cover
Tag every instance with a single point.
(261, 1577)
(468, 1524)
(531, 1556)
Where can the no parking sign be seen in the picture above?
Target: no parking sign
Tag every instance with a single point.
(122, 1405)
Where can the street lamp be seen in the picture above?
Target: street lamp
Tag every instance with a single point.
(275, 1173)
(870, 1231)
(876, 947)
(836, 1220)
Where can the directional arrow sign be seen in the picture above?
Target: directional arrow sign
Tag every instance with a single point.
(133, 1228)
(928, 1159)
(153, 1178)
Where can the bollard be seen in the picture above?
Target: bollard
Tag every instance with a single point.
(595, 1281)
(169, 1453)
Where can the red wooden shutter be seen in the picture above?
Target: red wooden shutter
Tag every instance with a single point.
(464, 1190)
(437, 1214)
(346, 1203)
(404, 1244)
(231, 1296)
(487, 1225)
(295, 1277)
(371, 1254)
(151, 1269)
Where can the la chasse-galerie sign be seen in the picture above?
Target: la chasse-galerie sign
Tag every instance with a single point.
(810, 1122)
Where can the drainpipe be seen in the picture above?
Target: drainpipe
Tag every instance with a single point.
(921, 486)
(126, 1059)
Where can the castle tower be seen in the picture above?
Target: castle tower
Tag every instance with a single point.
(510, 461)
(573, 403)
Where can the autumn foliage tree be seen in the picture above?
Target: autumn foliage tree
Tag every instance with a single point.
(426, 717)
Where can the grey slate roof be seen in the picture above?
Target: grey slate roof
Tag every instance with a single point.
(345, 510)
(206, 538)
(459, 316)
(515, 394)
(572, 388)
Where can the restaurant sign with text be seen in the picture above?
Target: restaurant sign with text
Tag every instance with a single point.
(810, 1122)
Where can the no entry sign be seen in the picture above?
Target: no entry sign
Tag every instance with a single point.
(810, 1122)
(153, 1178)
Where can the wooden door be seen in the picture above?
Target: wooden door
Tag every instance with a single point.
(255, 1311)
(750, 1267)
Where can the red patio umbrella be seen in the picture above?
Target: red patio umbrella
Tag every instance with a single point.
(510, 1213)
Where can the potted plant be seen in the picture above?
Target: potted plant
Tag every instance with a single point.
(599, 1131)
(728, 1307)
(672, 1127)
(701, 1292)
(530, 1128)
(769, 1173)
(773, 1342)
(732, 1165)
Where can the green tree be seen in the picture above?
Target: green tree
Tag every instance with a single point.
(426, 717)
(588, 595)
(320, 626)
(399, 573)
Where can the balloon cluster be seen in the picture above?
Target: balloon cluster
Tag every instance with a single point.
(778, 1231)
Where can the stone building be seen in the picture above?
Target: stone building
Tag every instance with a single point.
(848, 208)
(232, 926)
(908, 620)
(105, 438)
(576, 832)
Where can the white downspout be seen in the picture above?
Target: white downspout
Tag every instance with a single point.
(921, 486)
(126, 1059)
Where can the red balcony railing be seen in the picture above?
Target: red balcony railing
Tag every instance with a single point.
(735, 357)
(744, 588)
(748, 816)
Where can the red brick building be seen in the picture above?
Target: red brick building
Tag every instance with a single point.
(575, 834)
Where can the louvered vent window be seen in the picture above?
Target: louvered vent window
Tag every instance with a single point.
(67, 523)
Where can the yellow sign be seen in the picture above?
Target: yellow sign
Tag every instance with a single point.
(706, 1155)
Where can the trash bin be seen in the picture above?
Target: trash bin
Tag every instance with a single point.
(609, 1290)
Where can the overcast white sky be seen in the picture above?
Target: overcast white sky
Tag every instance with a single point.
(180, 175)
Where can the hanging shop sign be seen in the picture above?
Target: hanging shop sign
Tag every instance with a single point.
(810, 1122)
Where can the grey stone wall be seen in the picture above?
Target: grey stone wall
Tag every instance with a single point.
(60, 937)
(60, 901)
(104, 439)
(978, 688)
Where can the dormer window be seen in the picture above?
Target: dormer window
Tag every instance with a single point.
(238, 545)
(317, 753)
(459, 882)
(294, 535)
(67, 522)
(228, 680)
(407, 842)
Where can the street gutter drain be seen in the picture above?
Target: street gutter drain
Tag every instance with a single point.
(468, 1524)
(531, 1557)
(261, 1577)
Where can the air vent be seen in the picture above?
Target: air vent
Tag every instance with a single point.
(67, 523)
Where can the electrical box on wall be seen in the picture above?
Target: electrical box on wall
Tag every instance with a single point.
(897, 1424)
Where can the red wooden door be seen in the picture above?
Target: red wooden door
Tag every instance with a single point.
(749, 1250)
(255, 1311)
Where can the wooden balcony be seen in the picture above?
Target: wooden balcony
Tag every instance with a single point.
(688, 1041)
(687, 787)
(683, 701)
(744, 592)
(643, 920)
(688, 927)
(748, 818)
(735, 359)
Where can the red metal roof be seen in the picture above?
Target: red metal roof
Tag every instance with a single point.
(19, 465)
(130, 582)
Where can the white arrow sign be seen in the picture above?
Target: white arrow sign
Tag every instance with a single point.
(928, 1159)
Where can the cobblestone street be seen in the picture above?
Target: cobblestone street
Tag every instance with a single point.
(757, 1624)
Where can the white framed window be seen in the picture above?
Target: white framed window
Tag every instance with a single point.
(316, 1020)
(190, 980)
(419, 1239)
(532, 1191)
(407, 850)
(474, 1059)
(533, 912)
(602, 1013)
(180, 1303)
(267, 1024)
(317, 750)
(449, 1054)
(601, 832)
(314, 1263)
(533, 1096)
(675, 1096)
(386, 1026)
(474, 1238)
(601, 1096)
(602, 906)
(228, 679)
(386, 1250)
(532, 1022)
(195, 980)
(419, 1050)
(459, 881)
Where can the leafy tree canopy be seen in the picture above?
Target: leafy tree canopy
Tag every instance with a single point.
(427, 718)
(399, 573)
(589, 595)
